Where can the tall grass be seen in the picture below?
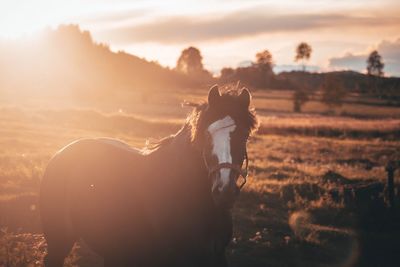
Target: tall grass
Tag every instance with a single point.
(295, 209)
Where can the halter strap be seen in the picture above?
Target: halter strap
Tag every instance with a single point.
(227, 165)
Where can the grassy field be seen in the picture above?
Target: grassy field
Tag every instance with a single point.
(315, 197)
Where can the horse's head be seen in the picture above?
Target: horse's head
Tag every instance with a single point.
(225, 127)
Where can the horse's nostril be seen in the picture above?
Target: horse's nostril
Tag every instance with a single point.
(236, 190)
(225, 193)
(216, 192)
(231, 190)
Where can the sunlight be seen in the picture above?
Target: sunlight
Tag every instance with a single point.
(23, 17)
(210, 133)
(20, 18)
(20, 29)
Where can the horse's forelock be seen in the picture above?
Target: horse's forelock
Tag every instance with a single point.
(197, 117)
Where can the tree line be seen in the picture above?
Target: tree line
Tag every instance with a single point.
(67, 62)
(333, 87)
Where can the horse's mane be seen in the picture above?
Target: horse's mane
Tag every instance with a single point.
(230, 98)
(194, 121)
(158, 144)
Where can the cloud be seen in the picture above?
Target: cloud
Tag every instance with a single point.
(114, 17)
(183, 29)
(389, 50)
(349, 61)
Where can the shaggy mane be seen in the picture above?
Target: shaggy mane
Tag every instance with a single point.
(194, 124)
(196, 117)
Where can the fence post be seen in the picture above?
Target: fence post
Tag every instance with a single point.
(390, 168)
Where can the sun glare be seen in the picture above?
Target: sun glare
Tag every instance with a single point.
(19, 29)
(23, 17)
(19, 18)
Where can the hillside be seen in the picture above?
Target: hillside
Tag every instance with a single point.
(66, 61)
(352, 81)
(255, 76)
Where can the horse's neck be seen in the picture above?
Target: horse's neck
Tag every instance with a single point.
(188, 164)
(178, 168)
(181, 159)
(188, 190)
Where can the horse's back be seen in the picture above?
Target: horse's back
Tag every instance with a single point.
(87, 192)
(91, 160)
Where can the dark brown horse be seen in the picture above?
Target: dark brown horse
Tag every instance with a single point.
(168, 206)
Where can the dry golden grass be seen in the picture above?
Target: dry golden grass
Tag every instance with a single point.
(272, 101)
(288, 215)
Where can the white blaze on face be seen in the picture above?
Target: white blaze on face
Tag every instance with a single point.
(220, 132)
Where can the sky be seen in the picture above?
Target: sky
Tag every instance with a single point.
(228, 32)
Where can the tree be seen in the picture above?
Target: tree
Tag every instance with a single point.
(227, 75)
(262, 68)
(259, 74)
(190, 61)
(333, 92)
(300, 97)
(375, 70)
(303, 53)
(375, 64)
(264, 58)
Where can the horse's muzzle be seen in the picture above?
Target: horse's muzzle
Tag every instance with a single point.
(226, 197)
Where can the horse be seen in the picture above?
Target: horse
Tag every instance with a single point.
(167, 205)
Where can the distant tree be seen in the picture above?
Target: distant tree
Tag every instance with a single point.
(262, 68)
(375, 64)
(303, 53)
(227, 75)
(264, 58)
(375, 70)
(258, 74)
(190, 64)
(190, 61)
(333, 92)
(249, 76)
(300, 97)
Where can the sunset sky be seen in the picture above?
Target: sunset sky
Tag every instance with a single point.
(228, 32)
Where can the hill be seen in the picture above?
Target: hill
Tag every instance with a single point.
(262, 77)
(385, 87)
(67, 62)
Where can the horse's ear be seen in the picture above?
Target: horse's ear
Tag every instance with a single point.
(245, 98)
(213, 96)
